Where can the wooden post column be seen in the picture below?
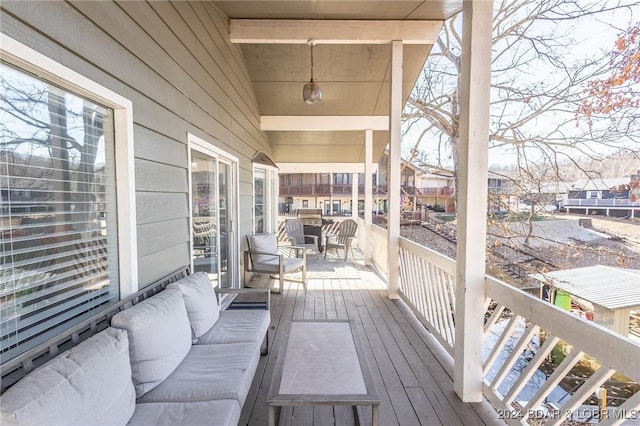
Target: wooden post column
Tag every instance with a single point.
(393, 181)
(472, 198)
(354, 196)
(368, 194)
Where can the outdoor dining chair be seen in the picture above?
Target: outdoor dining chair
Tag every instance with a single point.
(295, 233)
(263, 256)
(346, 233)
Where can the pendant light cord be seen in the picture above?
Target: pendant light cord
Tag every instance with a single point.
(311, 62)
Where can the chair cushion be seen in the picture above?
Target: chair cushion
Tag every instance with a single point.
(238, 326)
(88, 384)
(210, 372)
(265, 243)
(273, 266)
(221, 412)
(159, 337)
(200, 301)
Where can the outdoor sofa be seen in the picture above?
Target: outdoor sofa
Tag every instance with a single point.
(169, 358)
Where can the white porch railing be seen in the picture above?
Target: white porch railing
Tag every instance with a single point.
(531, 330)
(595, 202)
(521, 331)
(379, 250)
(427, 285)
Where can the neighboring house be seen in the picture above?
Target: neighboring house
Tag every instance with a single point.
(333, 192)
(436, 187)
(611, 197)
(599, 189)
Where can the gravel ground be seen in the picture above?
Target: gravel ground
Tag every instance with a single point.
(560, 242)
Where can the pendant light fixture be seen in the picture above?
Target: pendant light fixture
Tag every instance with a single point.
(311, 93)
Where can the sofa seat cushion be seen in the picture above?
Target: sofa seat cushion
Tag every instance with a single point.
(159, 337)
(200, 300)
(90, 384)
(273, 265)
(238, 326)
(210, 372)
(221, 412)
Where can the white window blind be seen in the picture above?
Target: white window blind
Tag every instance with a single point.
(58, 225)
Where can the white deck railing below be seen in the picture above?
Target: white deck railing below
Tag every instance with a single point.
(533, 352)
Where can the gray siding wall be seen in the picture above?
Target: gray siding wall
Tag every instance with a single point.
(173, 60)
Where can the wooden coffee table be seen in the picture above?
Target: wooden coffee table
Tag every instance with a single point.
(322, 363)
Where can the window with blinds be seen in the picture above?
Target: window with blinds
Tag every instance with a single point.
(58, 229)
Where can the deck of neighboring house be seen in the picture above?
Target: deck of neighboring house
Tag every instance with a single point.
(413, 383)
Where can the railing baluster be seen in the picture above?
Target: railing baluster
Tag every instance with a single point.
(436, 300)
(502, 341)
(524, 340)
(531, 369)
(493, 318)
(585, 391)
(553, 380)
(423, 299)
(439, 302)
(430, 300)
(449, 306)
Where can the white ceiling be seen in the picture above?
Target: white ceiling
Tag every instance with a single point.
(354, 77)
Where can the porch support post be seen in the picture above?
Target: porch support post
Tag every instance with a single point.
(472, 198)
(330, 194)
(393, 180)
(354, 196)
(368, 194)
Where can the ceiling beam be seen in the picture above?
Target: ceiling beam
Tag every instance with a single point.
(324, 167)
(324, 122)
(333, 32)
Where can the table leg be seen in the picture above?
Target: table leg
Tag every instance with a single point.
(272, 415)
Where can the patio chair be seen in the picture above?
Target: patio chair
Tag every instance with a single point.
(295, 233)
(263, 256)
(346, 233)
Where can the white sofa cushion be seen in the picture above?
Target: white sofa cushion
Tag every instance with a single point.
(90, 384)
(238, 326)
(210, 372)
(201, 302)
(221, 412)
(159, 337)
(263, 243)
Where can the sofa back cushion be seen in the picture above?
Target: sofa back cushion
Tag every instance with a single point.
(90, 384)
(263, 243)
(201, 302)
(159, 337)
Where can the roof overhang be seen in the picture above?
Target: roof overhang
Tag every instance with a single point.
(352, 64)
(324, 167)
(609, 287)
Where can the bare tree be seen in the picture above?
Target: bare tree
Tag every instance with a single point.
(538, 84)
(40, 153)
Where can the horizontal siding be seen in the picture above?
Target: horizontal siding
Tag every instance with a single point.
(158, 207)
(151, 176)
(175, 63)
(162, 263)
(153, 146)
(159, 236)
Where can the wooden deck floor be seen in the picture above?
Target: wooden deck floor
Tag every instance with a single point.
(413, 386)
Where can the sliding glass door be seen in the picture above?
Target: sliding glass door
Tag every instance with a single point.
(213, 212)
